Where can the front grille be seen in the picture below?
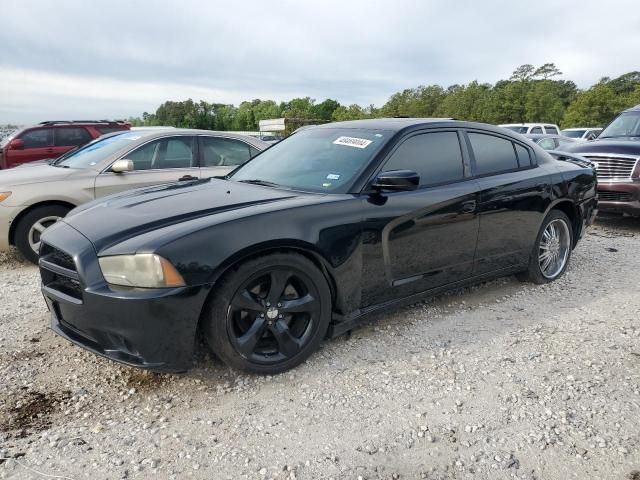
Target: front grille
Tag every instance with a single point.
(611, 196)
(58, 271)
(613, 168)
(57, 257)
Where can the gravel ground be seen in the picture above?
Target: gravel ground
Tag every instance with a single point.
(504, 380)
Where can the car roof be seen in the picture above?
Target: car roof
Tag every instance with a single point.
(400, 124)
(150, 134)
(633, 109)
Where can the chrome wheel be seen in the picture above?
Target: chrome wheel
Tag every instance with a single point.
(555, 246)
(36, 231)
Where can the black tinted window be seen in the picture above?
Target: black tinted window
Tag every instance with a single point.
(493, 154)
(70, 136)
(223, 152)
(551, 130)
(536, 130)
(436, 157)
(104, 130)
(176, 152)
(524, 157)
(37, 138)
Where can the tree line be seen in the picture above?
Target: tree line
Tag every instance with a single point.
(530, 95)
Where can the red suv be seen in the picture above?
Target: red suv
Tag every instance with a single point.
(51, 139)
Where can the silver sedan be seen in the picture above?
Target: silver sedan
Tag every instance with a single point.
(35, 196)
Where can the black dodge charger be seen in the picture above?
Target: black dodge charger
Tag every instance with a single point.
(306, 239)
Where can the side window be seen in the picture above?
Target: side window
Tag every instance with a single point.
(175, 152)
(253, 151)
(70, 136)
(551, 129)
(223, 152)
(436, 157)
(39, 138)
(547, 143)
(492, 154)
(524, 157)
(536, 130)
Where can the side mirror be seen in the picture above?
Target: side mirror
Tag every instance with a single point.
(397, 181)
(123, 165)
(16, 144)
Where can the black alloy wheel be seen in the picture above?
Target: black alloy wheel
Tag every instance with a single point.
(270, 314)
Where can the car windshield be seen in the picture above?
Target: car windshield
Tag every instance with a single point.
(624, 125)
(573, 133)
(93, 153)
(323, 160)
(10, 136)
(517, 129)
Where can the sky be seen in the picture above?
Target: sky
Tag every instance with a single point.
(70, 59)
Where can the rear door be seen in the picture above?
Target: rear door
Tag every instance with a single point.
(67, 138)
(512, 200)
(421, 239)
(38, 145)
(220, 155)
(164, 160)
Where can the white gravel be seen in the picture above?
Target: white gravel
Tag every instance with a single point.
(501, 381)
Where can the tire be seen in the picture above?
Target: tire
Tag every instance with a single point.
(536, 272)
(269, 314)
(28, 233)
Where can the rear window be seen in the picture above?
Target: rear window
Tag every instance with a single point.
(104, 130)
(492, 154)
(551, 129)
(573, 133)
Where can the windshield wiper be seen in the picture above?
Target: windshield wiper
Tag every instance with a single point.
(256, 181)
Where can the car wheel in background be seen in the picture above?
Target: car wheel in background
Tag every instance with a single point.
(552, 250)
(269, 314)
(31, 226)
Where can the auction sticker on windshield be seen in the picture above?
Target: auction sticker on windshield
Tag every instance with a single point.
(352, 142)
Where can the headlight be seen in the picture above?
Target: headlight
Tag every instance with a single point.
(145, 270)
(4, 196)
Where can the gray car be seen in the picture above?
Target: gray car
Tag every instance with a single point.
(550, 142)
(34, 196)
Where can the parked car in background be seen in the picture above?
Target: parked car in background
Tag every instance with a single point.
(33, 198)
(615, 155)
(51, 139)
(335, 222)
(529, 128)
(550, 142)
(580, 133)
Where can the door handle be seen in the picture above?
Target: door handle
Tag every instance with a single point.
(469, 207)
(187, 178)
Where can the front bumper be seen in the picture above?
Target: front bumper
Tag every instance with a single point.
(7, 215)
(619, 197)
(145, 328)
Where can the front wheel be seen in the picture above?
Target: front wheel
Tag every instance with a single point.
(30, 228)
(552, 249)
(268, 315)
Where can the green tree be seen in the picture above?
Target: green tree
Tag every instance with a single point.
(593, 107)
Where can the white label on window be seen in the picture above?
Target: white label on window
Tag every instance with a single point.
(352, 142)
(333, 176)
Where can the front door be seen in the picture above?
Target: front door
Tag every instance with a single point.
(38, 145)
(165, 160)
(418, 240)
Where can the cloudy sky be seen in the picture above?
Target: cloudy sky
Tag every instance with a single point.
(111, 59)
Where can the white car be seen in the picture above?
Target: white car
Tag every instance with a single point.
(533, 128)
(582, 133)
(38, 194)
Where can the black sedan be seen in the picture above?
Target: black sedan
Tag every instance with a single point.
(305, 240)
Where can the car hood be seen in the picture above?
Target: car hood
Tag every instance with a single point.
(33, 174)
(119, 217)
(619, 146)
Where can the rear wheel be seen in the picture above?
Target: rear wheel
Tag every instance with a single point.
(32, 225)
(552, 250)
(268, 315)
